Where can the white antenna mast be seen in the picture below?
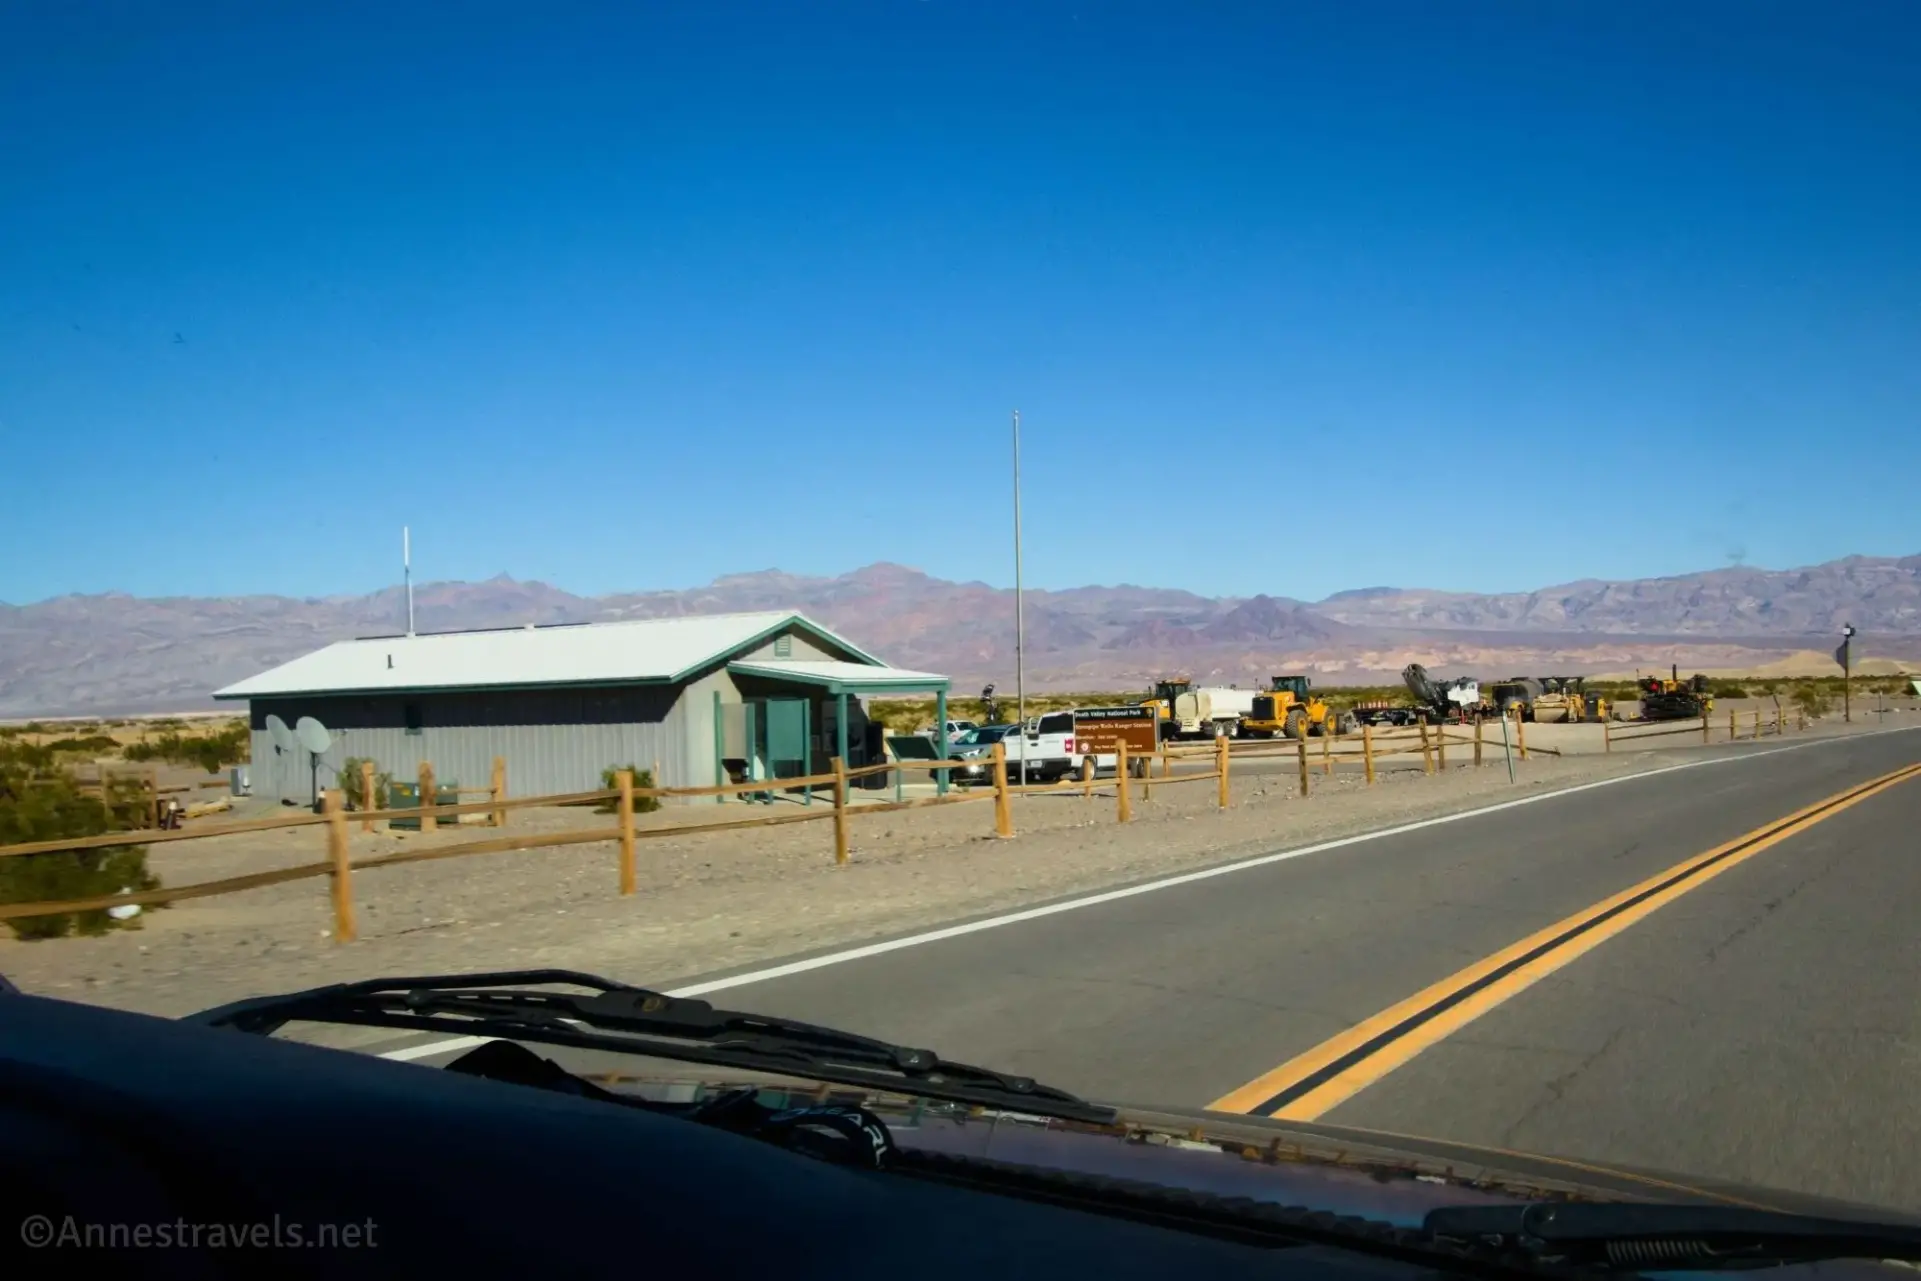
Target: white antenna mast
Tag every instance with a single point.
(407, 573)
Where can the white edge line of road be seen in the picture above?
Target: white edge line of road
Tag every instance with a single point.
(433, 1048)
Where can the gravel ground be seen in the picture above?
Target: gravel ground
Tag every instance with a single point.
(710, 901)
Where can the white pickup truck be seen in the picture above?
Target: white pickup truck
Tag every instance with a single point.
(1044, 753)
(1047, 750)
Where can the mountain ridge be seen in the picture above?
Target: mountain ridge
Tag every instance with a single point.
(115, 652)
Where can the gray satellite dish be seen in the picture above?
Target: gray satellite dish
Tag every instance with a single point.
(312, 735)
(277, 731)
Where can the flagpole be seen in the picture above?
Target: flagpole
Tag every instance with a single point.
(1020, 621)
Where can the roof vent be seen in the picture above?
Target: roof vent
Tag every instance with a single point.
(390, 662)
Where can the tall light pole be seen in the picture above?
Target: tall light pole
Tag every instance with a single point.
(1020, 620)
(407, 572)
(1847, 672)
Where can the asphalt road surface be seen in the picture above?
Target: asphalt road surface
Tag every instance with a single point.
(1657, 972)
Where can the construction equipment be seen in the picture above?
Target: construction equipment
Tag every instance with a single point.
(1436, 702)
(1675, 699)
(1213, 711)
(1516, 691)
(1162, 698)
(1379, 711)
(1562, 698)
(1289, 706)
(1550, 700)
(1582, 705)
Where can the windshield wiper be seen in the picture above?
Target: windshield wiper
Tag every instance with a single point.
(1641, 1236)
(630, 1020)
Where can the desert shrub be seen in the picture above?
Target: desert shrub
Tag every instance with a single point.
(86, 745)
(347, 779)
(1812, 699)
(40, 804)
(229, 746)
(642, 778)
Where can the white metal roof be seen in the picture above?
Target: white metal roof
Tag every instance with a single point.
(648, 649)
(819, 672)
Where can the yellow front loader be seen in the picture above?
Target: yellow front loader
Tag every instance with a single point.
(1289, 706)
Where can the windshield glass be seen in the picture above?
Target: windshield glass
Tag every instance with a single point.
(466, 505)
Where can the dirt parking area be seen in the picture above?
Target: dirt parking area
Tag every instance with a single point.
(713, 900)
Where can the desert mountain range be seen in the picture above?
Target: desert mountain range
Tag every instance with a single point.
(114, 653)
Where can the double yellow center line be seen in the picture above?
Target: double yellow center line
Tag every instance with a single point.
(1306, 1086)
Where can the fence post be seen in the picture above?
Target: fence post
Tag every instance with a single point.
(1477, 740)
(1147, 774)
(1220, 765)
(1427, 748)
(1003, 809)
(497, 788)
(625, 781)
(840, 809)
(1733, 733)
(1327, 758)
(1801, 718)
(331, 803)
(1707, 729)
(1520, 732)
(1120, 781)
(1440, 744)
(1367, 750)
(426, 780)
(367, 794)
(1087, 778)
(1607, 736)
(1300, 750)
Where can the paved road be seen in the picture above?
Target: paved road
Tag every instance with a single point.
(1763, 1027)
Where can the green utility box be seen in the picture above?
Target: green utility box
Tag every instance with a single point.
(406, 796)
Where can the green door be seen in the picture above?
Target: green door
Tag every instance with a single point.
(786, 737)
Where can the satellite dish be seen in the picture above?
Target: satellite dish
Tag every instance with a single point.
(277, 730)
(312, 735)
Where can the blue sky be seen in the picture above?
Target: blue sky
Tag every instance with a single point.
(1292, 298)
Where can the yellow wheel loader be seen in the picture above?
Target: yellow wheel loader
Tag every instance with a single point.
(1289, 706)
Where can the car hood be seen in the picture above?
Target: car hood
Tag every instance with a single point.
(1394, 1178)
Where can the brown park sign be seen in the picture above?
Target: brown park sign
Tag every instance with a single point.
(1101, 730)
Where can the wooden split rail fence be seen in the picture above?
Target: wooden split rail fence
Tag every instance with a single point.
(1761, 722)
(1429, 742)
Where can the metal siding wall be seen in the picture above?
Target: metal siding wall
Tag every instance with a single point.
(546, 750)
(691, 727)
(272, 773)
